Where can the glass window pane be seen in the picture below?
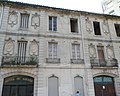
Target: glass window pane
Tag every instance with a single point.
(98, 79)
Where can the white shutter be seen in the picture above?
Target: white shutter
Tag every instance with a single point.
(53, 87)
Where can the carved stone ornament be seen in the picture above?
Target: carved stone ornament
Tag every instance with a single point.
(34, 48)
(13, 18)
(9, 46)
(105, 27)
(110, 53)
(92, 51)
(88, 25)
(35, 20)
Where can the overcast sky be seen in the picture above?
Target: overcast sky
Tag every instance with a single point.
(81, 5)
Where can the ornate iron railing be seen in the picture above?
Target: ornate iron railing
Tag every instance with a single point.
(17, 60)
(104, 63)
(77, 61)
(52, 60)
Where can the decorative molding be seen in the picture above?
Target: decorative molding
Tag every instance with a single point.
(105, 27)
(13, 18)
(35, 20)
(92, 51)
(9, 47)
(88, 25)
(110, 53)
(34, 47)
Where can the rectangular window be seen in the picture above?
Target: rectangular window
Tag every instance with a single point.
(24, 21)
(117, 28)
(52, 49)
(74, 25)
(96, 28)
(75, 51)
(22, 46)
(52, 23)
(100, 50)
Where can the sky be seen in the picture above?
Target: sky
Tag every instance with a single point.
(81, 5)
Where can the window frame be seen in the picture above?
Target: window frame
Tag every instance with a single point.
(52, 26)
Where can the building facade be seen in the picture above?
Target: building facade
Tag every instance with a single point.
(47, 51)
(111, 7)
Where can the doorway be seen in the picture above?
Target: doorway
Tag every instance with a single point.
(18, 85)
(104, 86)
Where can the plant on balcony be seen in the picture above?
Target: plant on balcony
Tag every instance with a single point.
(32, 61)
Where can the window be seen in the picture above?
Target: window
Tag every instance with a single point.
(22, 51)
(24, 21)
(53, 87)
(52, 49)
(100, 50)
(96, 28)
(117, 28)
(78, 83)
(74, 25)
(112, 12)
(52, 23)
(75, 51)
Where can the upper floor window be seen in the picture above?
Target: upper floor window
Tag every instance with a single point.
(52, 49)
(74, 25)
(24, 20)
(96, 28)
(117, 28)
(52, 23)
(100, 50)
(22, 46)
(75, 51)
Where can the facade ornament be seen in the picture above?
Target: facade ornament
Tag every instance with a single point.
(35, 20)
(92, 51)
(34, 48)
(105, 27)
(13, 18)
(88, 25)
(9, 47)
(110, 53)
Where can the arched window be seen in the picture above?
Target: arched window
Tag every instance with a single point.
(18, 85)
(78, 83)
(53, 86)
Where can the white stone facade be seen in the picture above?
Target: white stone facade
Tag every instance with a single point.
(37, 36)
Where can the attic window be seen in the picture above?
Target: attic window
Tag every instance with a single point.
(74, 25)
(117, 28)
(97, 28)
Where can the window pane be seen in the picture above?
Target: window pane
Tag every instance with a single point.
(54, 23)
(107, 79)
(98, 79)
(50, 23)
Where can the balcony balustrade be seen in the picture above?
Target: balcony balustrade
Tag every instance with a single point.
(104, 63)
(19, 61)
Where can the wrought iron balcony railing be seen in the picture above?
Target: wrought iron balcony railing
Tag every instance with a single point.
(17, 60)
(104, 63)
(52, 60)
(77, 61)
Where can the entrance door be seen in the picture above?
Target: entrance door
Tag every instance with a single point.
(18, 86)
(104, 86)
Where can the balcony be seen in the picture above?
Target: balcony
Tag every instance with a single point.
(104, 63)
(52, 60)
(77, 61)
(17, 61)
